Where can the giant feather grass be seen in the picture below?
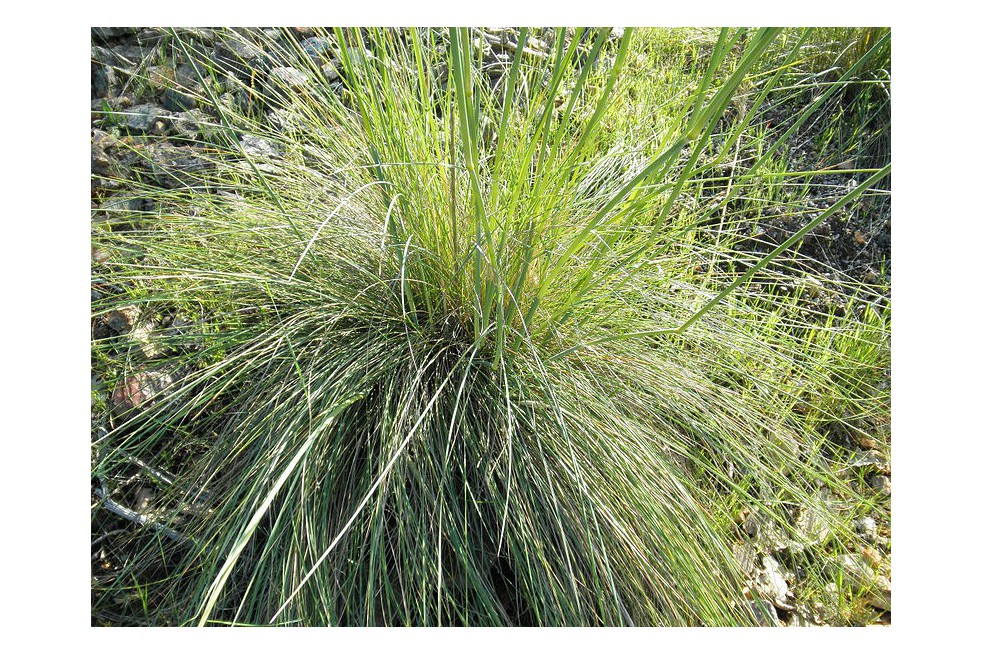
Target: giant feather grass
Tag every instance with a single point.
(449, 366)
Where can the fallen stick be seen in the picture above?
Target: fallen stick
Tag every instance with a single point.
(136, 517)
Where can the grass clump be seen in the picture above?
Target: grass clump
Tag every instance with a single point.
(436, 351)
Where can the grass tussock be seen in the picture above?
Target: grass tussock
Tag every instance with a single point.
(447, 354)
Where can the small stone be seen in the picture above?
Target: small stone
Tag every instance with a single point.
(100, 330)
(123, 319)
(191, 124)
(880, 484)
(143, 497)
(858, 573)
(870, 458)
(821, 613)
(104, 147)
(282, 120)
(112, 33)
(143, 118)
(176, 100)
(764, 533)
(332, 70)
(143, 337)
(160, 78)
(866, 528)
(131, 57)
(175, 166)
(318, 48)
(237, 49)
(880, 599)
(765, 613)
(139, 390)
(261, 148)
(303, 32)
(239, 57)
(360, 57)
(289, 77)
(812, 286)
(772, 582)
(250, 169)
(864, 441)
(105, 81)
(101, 163)
(121, 203)
(204, 35)
(801, 619)
(872, 556)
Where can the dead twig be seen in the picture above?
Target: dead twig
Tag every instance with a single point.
(136, 517)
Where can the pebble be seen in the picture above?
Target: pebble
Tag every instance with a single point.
(859, 574)
(105, 81)
(318, 48)
(142, 337)
(123, 319)
(360, 57)
(765, 613)
(866, 528)
(174, 100)
(812, 286)
(111, 33)
(872, 556)
(160, 77)
(139, 390)
(881, 485)
(119, 204)
(238, 50)
(190, 124)
(882, 597)
(143, 118)
(801, 619)
(331, 70)
(175, 166)
(764, 533)
(261, 148)
(143, 497)
(772, 582)
(240, 58)
(289, 77)
(870, 458)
